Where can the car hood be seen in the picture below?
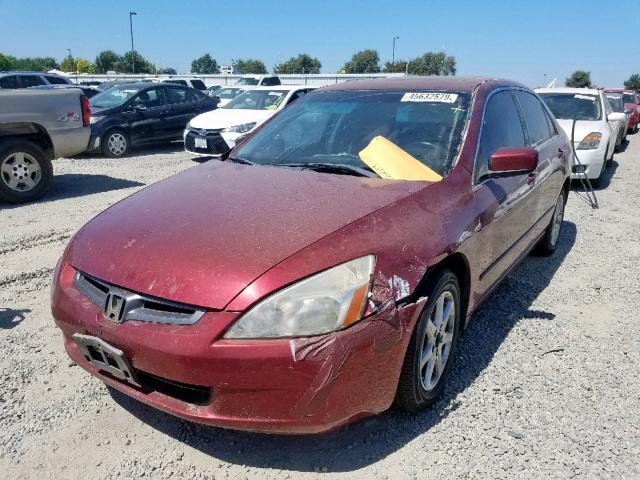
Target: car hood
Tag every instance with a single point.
(222, 118)
(583, 128)
(200, 237)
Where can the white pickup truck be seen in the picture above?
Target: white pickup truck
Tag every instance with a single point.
(37, 126)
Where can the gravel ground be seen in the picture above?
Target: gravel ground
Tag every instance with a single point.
(545, 385)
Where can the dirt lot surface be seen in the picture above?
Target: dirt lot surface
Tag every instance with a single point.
(546, 384)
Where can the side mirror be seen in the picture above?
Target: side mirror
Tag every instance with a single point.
(139, 108)
(628, 111)
(617, 117)
(513, 161)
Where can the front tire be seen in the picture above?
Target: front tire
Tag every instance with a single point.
(432, 346)
(26, 172)
(115, 143)
(549, 242)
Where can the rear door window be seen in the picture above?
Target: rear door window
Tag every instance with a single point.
(535, 118)
(10, 81)
(198, 85)
(31, 80)
(177, 95)
(501, 128)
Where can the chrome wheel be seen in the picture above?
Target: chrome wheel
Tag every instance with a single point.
(20, 172)
(437, 341)
(558, 216)
(117, 144)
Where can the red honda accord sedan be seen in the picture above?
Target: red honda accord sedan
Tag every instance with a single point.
(307, 281)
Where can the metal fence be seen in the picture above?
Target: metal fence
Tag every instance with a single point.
(306, 79)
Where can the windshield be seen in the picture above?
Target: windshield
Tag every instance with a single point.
(573, 106)
(227, 93)
(257, 100)
(628, 98)
(615, 100)
(335, 127)
(247, 81)
(113, 97)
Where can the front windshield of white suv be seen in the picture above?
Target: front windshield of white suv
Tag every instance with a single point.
(257, 100)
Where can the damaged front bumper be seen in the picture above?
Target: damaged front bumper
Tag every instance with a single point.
(302, 385)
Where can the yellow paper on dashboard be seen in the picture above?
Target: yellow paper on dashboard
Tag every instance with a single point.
(389, 161)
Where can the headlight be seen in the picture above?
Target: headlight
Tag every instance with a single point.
(590, 142)
(323, 303)
(95, 120)
(244, 128)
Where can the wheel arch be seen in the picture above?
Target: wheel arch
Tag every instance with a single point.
(29, 131)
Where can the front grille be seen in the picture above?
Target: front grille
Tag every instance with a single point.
(149, 383)
(216, 145)
(136, 306)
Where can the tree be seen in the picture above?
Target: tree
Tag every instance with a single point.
(7, 62)
(432, 63)
(125, 64)
(579, 79)
(106, 60)
(250, 66)
(205, 64)
(399, 66)
(364, 61)
(84, 66)
(632, 84)
(303, 63)
(68, 64)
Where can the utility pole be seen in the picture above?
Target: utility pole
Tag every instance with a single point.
(133, 56)
(393, 52)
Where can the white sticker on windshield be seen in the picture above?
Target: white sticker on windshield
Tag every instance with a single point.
(585, 97)
(429, 97)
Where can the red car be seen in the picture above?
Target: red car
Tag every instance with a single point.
(631, 101)
(291, 288)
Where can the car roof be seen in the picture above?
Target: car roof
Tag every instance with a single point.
(460, 84)
(620, 90)
(587, 91)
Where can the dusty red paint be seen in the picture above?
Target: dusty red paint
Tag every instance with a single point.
(634, 118)
(223, 236)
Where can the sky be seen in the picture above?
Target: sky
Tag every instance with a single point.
(528, 41)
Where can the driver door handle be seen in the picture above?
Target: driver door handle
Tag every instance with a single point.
(531, 178)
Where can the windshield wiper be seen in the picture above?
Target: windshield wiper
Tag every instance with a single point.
(240, 160)
(331, 168)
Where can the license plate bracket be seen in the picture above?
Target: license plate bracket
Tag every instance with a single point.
(201, 142)
(105, 357)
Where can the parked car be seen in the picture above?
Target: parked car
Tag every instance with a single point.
(631, 101)
(13, 80)
(87, 91)
(615, 100)
(140, 113)
(259, 80)
(117, 83)
(596, 126)
(215, 133)
(226, 94)
(188, 82)
(211, 89)
(292, 289)
(37, 126)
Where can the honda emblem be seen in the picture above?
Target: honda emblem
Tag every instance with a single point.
(114, 308)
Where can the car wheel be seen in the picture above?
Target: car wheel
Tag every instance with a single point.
(115, 143)
(432, 346)
(549, 241)
(25, 171)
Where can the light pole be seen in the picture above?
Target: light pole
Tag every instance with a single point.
(393, 52)
(133, 56)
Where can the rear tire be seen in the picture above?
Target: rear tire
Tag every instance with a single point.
(115, 143)
(26, 172)
(549, 241)
(432, 347)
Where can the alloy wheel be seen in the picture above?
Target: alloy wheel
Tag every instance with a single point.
(20, 171)
(437, 341)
